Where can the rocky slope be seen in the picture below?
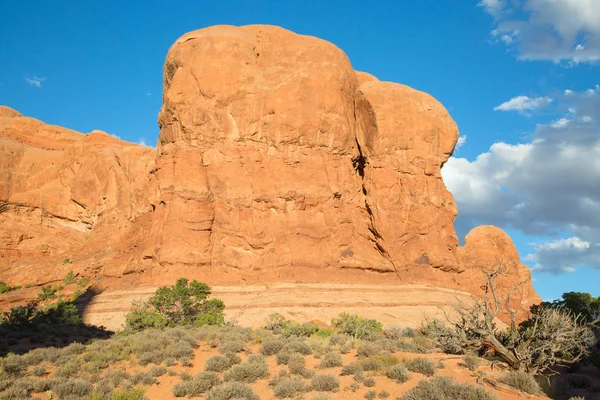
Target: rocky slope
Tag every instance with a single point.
(276, 162)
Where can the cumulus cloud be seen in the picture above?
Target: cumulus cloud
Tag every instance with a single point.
(35, 81)
(557, 30)
(524, 103)
(548, 186)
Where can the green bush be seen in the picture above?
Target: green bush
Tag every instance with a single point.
(184, 303)
(47, 292)
(4, 288)
(421, 365)
(70, 278)
(444, 388)
(399, 373)
(325, 383)
(330, 360)
(196, 386)
(127, 394)
(288, 388)
(522, 381)
(356, 326)
(231, 390)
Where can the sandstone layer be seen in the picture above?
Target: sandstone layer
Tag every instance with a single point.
(276, 162)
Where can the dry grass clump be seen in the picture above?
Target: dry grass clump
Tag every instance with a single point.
(288, 388)
(369, 382)
(399, 373)
(368, 349)
(325, 383)
(219, 363)
(196, 386)
(470, 362)
(272, 346)
(421, 365)
(248, 372)
(297, 364)
(522, 381)
(231, 390)
(444, 388)
(330, 360)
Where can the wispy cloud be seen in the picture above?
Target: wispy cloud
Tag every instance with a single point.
(35, 81)
(524, 103)
(462, 139)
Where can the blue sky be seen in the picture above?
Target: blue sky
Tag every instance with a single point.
(519, 77)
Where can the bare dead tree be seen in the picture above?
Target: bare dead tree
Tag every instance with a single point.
(550, 337)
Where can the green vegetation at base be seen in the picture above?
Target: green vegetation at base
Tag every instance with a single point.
(184, 303)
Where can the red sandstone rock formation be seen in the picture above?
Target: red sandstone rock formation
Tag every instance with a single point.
(276, 161)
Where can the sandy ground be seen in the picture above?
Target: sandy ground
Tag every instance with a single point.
(404, 304)
(162, 390)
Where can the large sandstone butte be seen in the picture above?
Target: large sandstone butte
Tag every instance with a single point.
(276, 162)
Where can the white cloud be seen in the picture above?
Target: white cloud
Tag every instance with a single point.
(546, 187)
(493, 7)
(462, 139)
(556, 30)
(524, 103)
(35, 81)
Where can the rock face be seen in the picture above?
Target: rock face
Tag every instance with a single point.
(276, 161)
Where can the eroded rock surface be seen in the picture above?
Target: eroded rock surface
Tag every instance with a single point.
(276, 161)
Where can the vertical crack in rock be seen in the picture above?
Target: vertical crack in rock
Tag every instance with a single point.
(359, 163)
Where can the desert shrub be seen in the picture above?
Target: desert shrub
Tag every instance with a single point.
(276, 322)
(421, 365)
(351, 369)
(301, 330)
(318, 345)
(289, 388)
(299, 346)
(324, 332)
(470, 362)
(248, 372)
(144, 378)
(283, 357)
(444, 388)
(30, 315)
(39, 370)
(370, 395)
(393, 331)
(47, 292)
(272, 346)
(197, 385)
(448, 340)
(218, 363)
(356, 326)
(369, 382)
(325, 383)
(368, 349)
(371, 364)
(127, 394)
(232, 346)
(73, 387)
(522, 381)
(69, 278)
(330, 360)
(231, 390)
(13, 365)
(184, 303)
(399, 373)
(157, 371)
(388, 345)
(296, 363)
(4, 288)
(338, 339)
(383, 394)
(15, 393)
